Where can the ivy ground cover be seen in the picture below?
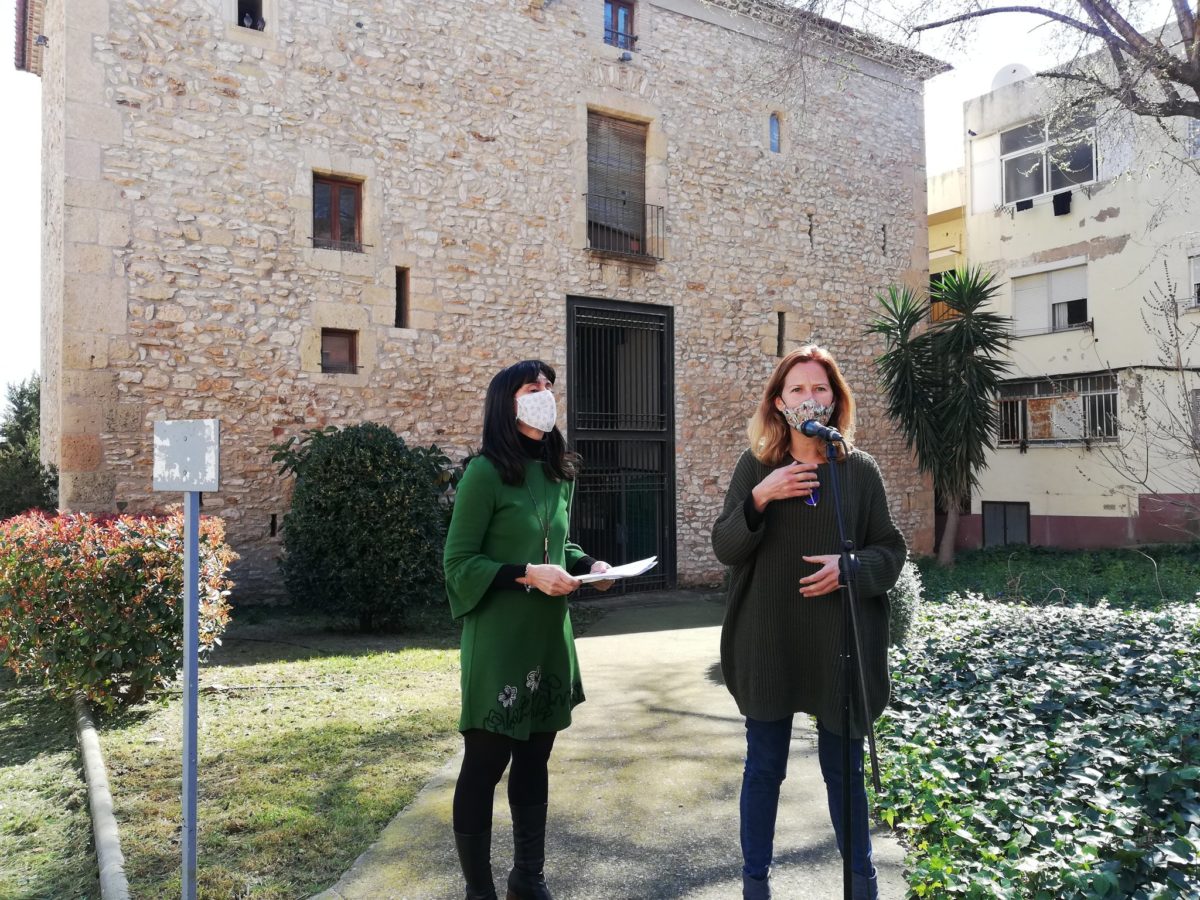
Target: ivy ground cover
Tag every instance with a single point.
(1046, 752)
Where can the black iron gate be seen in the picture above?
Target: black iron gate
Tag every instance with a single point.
(621, 420)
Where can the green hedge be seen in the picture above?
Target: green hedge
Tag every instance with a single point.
(94, 605)
(364, 536)
(1131, 578)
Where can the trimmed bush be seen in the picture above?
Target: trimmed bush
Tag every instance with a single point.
(905, 599)
(94, 605)
(1128, 577)
(364, 537)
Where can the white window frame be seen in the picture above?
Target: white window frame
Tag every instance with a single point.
(1044, 149)
(1041, 314)
(1088, 406)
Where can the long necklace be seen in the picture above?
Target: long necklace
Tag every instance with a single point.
(544, 523)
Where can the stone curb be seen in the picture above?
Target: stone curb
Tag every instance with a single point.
(113, 885)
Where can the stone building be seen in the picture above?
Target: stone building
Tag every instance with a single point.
(292, 215)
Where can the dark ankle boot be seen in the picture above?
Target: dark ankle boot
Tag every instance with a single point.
(475, 857)
(864, 887)
(756, 888)
(526, 880)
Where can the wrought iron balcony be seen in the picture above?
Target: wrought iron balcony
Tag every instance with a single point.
(624, 227)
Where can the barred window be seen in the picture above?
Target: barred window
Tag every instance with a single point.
(1058, 410)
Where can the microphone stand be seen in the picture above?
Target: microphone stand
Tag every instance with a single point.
(852, 670)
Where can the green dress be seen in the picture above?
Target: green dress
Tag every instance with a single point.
(519, 672)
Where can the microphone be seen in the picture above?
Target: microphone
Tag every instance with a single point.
(814, 429)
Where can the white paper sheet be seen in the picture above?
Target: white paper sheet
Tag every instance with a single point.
(629, 570)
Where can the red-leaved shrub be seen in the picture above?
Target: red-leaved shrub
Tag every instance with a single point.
(94, 605)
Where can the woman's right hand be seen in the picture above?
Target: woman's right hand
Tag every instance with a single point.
(552, 580)
(794, 480)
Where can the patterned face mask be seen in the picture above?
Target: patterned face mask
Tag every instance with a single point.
(805, 411)
(538, 410)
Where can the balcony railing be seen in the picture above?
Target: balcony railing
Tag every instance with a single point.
(624, 227)
(324, 243)
(619, 38)
(1089, 325)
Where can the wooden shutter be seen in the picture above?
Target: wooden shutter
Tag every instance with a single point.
(616, 173)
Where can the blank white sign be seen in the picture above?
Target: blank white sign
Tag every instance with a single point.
(187, 454)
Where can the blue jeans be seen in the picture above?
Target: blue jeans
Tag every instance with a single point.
(766, 767)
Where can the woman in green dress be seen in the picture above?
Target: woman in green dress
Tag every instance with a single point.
(509, 569)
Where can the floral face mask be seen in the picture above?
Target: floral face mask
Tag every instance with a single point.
(538, 410)
(807, 410)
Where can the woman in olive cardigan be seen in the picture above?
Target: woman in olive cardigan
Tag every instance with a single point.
(509, 568)
(782, 635)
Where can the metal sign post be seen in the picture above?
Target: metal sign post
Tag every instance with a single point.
(186, 458)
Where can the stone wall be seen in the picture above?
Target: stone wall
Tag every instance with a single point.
(466, 122)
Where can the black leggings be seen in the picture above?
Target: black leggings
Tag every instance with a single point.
(484, 761)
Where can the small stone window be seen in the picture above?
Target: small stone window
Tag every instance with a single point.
(775, 133)
(339, 351)
(618, 24)
(250, 15)
(337, 214)
(402, 297)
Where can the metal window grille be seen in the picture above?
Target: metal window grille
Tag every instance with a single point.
(1101, 415)
(1070, 409)
(620, 419)
(1012, 421)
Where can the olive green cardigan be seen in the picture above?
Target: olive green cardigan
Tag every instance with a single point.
(780, 650)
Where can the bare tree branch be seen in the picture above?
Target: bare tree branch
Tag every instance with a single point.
(1187, 22)
(1035, 10)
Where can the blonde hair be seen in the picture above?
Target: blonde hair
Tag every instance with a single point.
(769, 433)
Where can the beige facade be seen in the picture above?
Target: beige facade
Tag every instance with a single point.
(182, 279)
(946, 221)
(1095, 425)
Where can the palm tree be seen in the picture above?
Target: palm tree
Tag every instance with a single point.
(942, 381)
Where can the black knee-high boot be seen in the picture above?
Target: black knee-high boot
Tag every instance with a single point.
(475, 857)
(526, 881)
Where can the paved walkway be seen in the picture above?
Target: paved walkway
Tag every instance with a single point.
(643, 785)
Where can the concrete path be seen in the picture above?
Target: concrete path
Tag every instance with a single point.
(643, 785)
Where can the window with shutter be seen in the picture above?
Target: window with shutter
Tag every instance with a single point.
(616, 184)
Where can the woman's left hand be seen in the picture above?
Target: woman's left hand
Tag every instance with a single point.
(824, 580)
(599, 566)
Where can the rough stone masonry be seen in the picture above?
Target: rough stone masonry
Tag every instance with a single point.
(181, 278)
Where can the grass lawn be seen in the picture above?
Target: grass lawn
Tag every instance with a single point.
(310, 741)
(45, 829)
